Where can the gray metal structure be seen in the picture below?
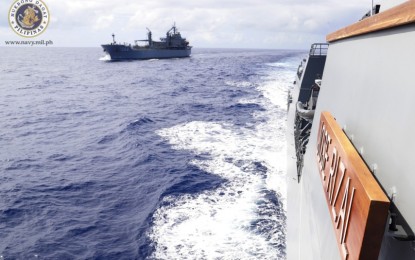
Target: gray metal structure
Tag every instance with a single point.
(172, 46)
(367, 85)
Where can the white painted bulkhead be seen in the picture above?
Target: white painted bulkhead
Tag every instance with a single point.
(368, 86)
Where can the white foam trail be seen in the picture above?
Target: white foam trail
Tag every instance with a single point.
(241, 84)
(218, 224)
(107, 57)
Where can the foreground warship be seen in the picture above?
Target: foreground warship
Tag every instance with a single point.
(350, 178)
(173, 46)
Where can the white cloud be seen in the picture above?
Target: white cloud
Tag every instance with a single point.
(206, 23)
(103, 21)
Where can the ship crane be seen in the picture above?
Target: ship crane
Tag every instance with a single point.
(172, 28)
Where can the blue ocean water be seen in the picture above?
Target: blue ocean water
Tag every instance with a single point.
(156, 159)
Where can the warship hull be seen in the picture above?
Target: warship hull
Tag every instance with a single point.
(349, 168)
(123, 52)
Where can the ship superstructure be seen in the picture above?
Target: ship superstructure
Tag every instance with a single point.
(171, 46)
(350, 146)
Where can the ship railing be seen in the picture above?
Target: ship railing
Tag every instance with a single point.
(319, 49)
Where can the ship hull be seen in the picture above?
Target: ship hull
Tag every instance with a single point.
(124, 52)
(367, 89)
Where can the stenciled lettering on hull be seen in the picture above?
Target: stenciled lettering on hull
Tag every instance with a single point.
(357, 204)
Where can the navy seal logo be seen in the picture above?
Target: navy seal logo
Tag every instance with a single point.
(29, 18)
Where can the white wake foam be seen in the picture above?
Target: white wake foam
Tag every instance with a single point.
(107, 57)
(218, 224)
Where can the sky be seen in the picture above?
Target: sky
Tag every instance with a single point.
(262, 24)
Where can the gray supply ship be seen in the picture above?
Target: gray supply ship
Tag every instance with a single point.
(350, 178)
(172, 46)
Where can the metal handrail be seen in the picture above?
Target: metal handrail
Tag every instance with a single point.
(319, 49)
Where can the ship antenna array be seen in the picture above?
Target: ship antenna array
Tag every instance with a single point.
(371, 9)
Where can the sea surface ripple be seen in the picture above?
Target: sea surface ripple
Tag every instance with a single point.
(156, 159)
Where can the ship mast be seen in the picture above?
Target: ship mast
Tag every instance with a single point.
(150, 40)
